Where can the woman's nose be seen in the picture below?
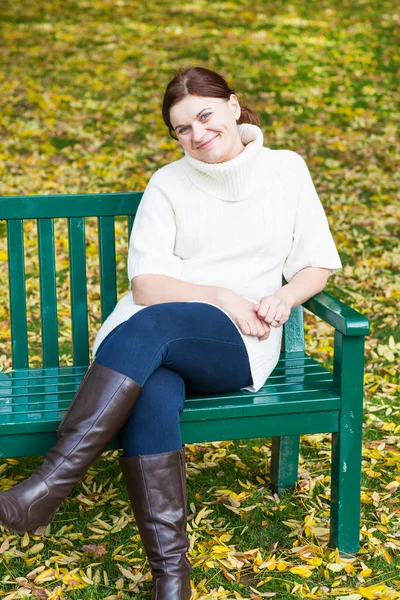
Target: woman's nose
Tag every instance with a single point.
(198, 132)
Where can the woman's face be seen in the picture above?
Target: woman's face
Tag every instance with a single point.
(207, 127)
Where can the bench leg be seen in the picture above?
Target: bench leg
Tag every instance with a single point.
(345, 494)
(284, 462)
(347, 445)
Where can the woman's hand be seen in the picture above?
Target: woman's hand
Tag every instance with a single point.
(274, 309)
(243, 312)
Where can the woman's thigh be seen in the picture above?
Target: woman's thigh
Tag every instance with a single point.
(197, 340)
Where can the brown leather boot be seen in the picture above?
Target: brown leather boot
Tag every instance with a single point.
(98, 411)
(157, 490)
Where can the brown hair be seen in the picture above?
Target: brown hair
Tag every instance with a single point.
(198, 81)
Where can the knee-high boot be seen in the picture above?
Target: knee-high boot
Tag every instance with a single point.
(156, 485)
(96, 414)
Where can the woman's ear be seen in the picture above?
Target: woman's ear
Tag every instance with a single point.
(235, 106)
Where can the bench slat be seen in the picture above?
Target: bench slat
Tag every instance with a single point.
(131, 219)
(268, 425)
(293, 331)
(40, 437)
(48, 298)
(49, 393)
(287, 366)
(16, 270)
(69, 205)
(108, 280)
(298, 402)
(78, 283)
(18, 387)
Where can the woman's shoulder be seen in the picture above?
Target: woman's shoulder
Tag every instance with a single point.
(283, 157)
(286, 166)
(163, 175)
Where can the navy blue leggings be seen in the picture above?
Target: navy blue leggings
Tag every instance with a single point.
(168, 348)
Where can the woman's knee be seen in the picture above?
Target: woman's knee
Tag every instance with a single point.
(163, 392)
(153, 320)
(154, 424)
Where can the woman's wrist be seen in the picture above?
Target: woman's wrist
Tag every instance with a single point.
(287, 296)
(223, 295)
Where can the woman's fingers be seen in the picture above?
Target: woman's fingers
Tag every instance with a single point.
(268, 309)
(280, 316)
(266, 333)
(272, 311)
(254, 327)
(258, 327)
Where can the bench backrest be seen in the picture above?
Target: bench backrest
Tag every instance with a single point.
(74, 210)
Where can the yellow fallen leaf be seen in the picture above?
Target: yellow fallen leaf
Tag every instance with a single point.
(74, 581)
(36, 549)
(223, 549)
(203, 513)
(387, 557)
(372, 590)
(317, 562)
(334, 567)
(350, 569)
(46, 575)
(302, 571)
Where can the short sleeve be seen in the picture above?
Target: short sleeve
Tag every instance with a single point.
(152, 240)
(312, 244)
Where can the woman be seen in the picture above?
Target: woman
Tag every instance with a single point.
(213, 235)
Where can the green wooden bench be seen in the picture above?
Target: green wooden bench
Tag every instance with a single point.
(300, 397)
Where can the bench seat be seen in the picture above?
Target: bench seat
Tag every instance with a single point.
(32, 402)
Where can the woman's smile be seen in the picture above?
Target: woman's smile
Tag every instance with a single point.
(208, 143)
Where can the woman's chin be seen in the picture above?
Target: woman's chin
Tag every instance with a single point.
(212, 156)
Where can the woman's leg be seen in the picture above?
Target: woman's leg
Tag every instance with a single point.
(197, 345)
(153, 463)
(197, 340)
(154, 424)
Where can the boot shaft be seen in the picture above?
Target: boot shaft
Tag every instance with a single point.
(156, 486)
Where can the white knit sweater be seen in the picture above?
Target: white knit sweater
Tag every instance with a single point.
(240, 224)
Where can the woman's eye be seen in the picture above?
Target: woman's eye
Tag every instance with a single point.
(204, 116)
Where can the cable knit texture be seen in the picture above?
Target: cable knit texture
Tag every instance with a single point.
(240, 224)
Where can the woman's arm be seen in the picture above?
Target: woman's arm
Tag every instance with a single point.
(275, 309)
(154, 289)
(306, 283)
(151, 289)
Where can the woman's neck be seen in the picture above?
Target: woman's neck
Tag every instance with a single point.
(233, 179)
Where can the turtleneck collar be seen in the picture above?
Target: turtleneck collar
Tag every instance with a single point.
(234, 179)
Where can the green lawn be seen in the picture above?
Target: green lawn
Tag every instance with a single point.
(81, 87)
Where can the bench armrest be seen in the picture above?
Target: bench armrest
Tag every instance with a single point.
(343, 318)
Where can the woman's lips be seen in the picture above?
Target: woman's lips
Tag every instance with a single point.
(208, 143)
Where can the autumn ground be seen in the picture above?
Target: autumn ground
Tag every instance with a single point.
(80, 112)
